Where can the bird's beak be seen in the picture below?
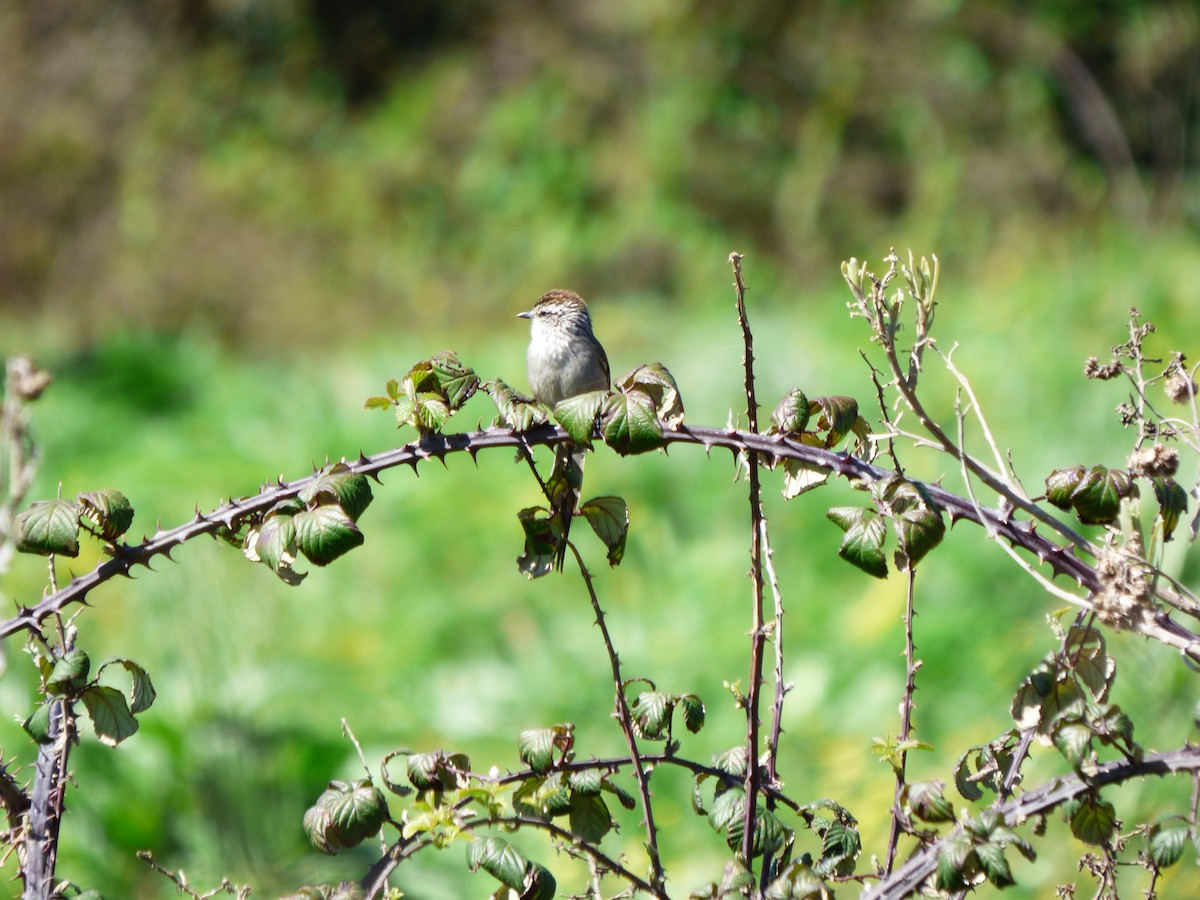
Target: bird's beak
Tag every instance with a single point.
(525, 315)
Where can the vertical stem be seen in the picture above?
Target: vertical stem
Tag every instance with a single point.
(626, 720)
(911, 666)
(47, 801)
(757, 630)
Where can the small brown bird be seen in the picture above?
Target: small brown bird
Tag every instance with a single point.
(564, 360)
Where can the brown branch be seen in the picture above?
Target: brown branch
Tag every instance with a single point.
(757, 628)
(911, 665)
(1022, 534)
(909, 877)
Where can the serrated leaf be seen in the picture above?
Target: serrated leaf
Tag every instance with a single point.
(609, 518)
(654, 380)
(798, 882)
(1166, 839)
(539, 884)
(1172, 503)
(37, 726)
(338, 484)
(953, 851)
(727, 807)
(110, 715)
(791, 415)
(693, 712)
(769, 833)
(577, 415)
(141, 692)
(800, 477)
(1061, 485)
(316, 826)
(48, 527)
(589, 817)
(840, 846)
(994, 864)
(732, 761)
(927, 802)
(918, 530)
(535, 746)
(273, 543)
(378, 403)
(838, 417)
(1086, 649)
(1073, 741)
(623, 796)
(70, 672)
(862, 544)
(109, 510)
(325, 533)
(1097, 500)
(422, 770)
(586, 781)
(500, 859)
(356, 814)
(516, 411)
(629, 423)
(1092, 820)
(456, 382)
(543, 532)
(651, 712)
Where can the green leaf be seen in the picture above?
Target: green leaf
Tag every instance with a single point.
(587, 781)
(927, 802)
(727, 807)
(1062, 483)
(378, 403)
(651, 712)
(536, 746)
(800, 477)
(339, 485)
(577, 415)
(629, 423)
(539, 884)
(543, 532)
(797, 882)
(273, 544)
(47, 528)
(862, 544)
(838, 417)
(516, 411)
(994, 864)
(1097, 500)
(769, 833)
(1089, 657)
(693, 712)
(456, 382)
(1073, 741)
(70, 673)
(500, 859)
(108, 510)
(791, 415)
(919, 531)
(655, 381)
(37, 726)
(1092, 820)
(1166, 839)
(141, 693)
(1172, 503)
(110, 715)
(325, 533)
(609, 518)
(356, 813)
(422, 770)
(589, 817)
(840, 846)
(953, 852)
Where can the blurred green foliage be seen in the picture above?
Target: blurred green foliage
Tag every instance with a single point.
(227, 223)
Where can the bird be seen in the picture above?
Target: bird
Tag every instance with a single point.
(564, 360)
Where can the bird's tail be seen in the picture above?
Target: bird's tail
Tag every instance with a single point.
(564, 487)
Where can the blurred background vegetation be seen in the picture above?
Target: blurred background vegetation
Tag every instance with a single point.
(225, 223)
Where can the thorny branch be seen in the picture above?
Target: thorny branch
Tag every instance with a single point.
(757, 628)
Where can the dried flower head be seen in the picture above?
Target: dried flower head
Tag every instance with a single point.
(1154, 462)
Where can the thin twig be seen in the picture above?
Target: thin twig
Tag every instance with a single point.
(757, 628)
(781, 687)
(911, 665)
(656, 886)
